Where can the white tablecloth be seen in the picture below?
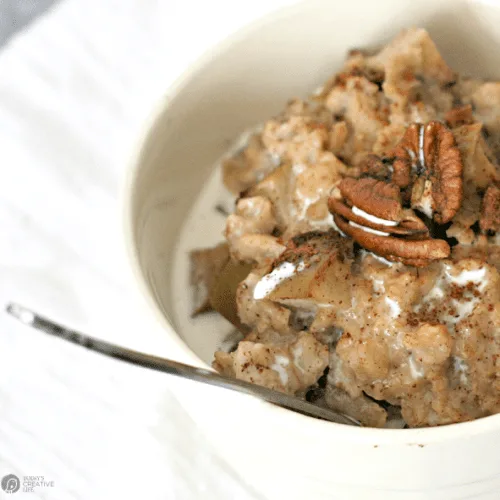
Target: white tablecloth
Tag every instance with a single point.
(75, 89)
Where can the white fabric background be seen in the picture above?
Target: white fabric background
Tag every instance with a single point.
(75, 89)
(15, 14)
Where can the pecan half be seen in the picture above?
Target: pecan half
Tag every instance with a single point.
(406, 156)
(428, 160)
(417, 253)
(374, 204)
(490, 210)
(444, 170)
(371, 213)
(376, 197)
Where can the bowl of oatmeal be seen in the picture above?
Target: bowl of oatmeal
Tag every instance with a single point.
(316, 211)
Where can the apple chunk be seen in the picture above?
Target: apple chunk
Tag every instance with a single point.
(323, 262)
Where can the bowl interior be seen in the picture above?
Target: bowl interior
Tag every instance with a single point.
(248, 79)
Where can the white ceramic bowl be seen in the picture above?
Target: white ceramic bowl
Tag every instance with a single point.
(245, 80)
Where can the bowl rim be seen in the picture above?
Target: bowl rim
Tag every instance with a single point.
(364, 435)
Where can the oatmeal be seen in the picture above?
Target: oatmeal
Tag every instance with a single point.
(364, 244)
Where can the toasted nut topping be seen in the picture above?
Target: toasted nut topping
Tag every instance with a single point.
(413, 252)
(406, 156)
(407, 226)
(375, 204)
(429, 158)
(443, 168)
(375, 197)
(426, 174)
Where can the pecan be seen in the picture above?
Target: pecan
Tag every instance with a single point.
(371, 213)
(428, 160)
(444, 170)
(405, 156)
(373, 196)
(426, 174)
(374, 204)
(461, 115)
(412, 252)
(490, 210)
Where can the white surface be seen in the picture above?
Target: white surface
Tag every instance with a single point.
(74, 90)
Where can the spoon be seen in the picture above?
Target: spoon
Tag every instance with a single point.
(171, 367)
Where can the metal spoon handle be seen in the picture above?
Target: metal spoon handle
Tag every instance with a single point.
(173, 367)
